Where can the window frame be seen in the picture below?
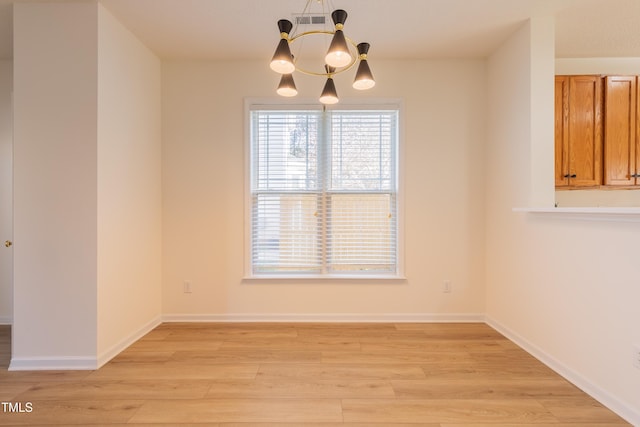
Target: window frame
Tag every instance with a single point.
(276, 104)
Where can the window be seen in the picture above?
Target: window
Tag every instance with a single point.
(323, 189)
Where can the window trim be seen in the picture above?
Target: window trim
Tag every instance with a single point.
(311, 104)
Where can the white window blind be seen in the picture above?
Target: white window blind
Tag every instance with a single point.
(323, 192)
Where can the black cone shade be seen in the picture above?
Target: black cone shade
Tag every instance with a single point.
(338, 54)
(329, 94)
(287, 86)
(282, 61)
(285, 26)
(364, 78)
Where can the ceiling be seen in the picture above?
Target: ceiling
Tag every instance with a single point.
(408, 29)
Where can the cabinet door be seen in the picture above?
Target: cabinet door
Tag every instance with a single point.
(637, 147)
(585, 131)
(620, 130)
(561, 131)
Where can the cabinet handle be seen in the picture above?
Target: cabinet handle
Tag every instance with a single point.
(635, 175)
(570, 176)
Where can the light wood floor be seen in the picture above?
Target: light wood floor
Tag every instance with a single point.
(316, 375)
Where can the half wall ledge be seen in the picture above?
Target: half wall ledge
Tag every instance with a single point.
(603, 213)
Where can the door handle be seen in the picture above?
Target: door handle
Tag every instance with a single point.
(7, 243)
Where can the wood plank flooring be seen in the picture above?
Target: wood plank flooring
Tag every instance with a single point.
(314, 375)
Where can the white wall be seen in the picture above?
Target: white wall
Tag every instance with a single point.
(129, 186)
(203, 200)
(87, 186)
(623, 66)
(6, 186)
(55, 152)
(565, 289)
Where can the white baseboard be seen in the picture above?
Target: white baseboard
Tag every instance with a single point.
(327, 318)
(630, 414)
(6, 320)
(126, 342)
(79, 363)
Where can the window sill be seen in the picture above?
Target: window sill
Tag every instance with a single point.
(615, 214)
(319, 279)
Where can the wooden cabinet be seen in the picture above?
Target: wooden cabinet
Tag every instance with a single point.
(621, 153)
(597, 131)
(578, 131)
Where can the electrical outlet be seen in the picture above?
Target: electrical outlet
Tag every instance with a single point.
(636, 356)
(186, 287)
(446, 286)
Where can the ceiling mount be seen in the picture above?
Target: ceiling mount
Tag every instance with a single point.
(300, 19)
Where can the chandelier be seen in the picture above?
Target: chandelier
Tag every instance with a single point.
(341, 55)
